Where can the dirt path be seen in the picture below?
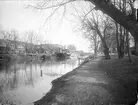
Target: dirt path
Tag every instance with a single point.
(88, 84)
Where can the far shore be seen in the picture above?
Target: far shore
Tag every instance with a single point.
(25, 57)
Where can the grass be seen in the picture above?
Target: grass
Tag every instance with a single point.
(121, 69)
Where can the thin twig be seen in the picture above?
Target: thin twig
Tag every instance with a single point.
(53, 6)
(88, 12)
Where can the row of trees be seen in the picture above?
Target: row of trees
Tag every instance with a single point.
(12, 41)
(100, 29)
(97, 24)
(123, 14)
(7, 36)
(115, 24)
(28, 37)
(30, 43)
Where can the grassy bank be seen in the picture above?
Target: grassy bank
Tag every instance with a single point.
(124, 72)
(121, 69)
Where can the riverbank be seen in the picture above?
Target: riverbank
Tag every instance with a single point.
(13, 57)
(96, 82)
(29, 57)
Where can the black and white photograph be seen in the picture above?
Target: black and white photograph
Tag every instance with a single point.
(68, 52)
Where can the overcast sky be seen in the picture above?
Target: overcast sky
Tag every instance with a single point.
(15, 15)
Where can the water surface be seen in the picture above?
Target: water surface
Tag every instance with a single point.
(25, 82)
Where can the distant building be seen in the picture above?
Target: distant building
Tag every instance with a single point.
(23, 47)
(2, 46)
(11, 46)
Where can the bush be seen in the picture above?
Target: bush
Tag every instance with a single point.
(133, 52)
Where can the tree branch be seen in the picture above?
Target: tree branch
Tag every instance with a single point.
(53, 6)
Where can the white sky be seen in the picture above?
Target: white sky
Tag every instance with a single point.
(14, 15)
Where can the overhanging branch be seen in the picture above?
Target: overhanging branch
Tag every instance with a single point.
(49, 7)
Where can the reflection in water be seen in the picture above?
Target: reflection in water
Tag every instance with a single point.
(22, 83)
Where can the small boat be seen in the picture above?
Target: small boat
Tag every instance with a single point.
(62, 55)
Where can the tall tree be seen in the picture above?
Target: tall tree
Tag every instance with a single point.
(14, 37)
(94, 39)
(99, 23)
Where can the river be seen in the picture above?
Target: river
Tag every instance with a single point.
(22, 83)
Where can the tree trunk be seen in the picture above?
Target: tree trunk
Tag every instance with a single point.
(121, 46)
(119, 53)
(127, 45)
(106, 49)
(136, 48)
(95, 51)
(106, 53)
(119, 42)
(95, 47)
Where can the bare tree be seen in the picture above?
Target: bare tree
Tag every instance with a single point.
(27, 39)
(94, 39)
(100, 24)
(31, 41)
(6, 38)
(71, 47)
(14, 37)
